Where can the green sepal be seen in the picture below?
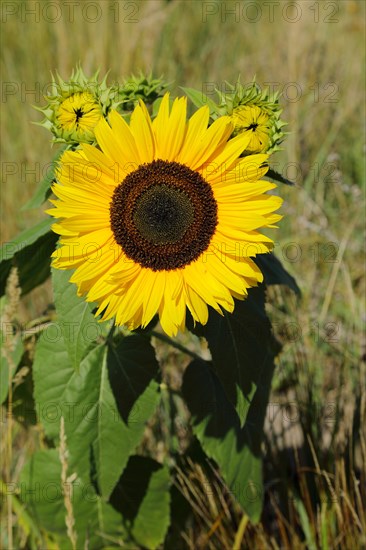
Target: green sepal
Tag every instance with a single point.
(142, 87)
(277, 177)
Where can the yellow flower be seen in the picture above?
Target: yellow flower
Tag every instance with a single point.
(164, 217)
(76, 105)
(254, 122)
(78, 115)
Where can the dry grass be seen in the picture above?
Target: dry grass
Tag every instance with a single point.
(315, 447)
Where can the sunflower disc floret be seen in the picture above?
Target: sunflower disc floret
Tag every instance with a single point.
(163, 216)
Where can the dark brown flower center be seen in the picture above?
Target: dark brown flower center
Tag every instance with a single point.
(163, 215)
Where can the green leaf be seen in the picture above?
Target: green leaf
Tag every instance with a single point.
(105, 404)
(44, 189)
(24, 409)
(95, 424)
(241, 348)
(199, 99)
(276, 176)
(143, 497)
(31, 253)
(216, 425)
(274, 273)
(133, 368)
(15, 355)
(110, 414)
(80, 329)
(24, 239)
(94, 430)
(229, 421)
(52, 372)
(42, 493)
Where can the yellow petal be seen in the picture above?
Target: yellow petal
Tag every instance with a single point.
(196, 129)
(196, 305)
(142, 131)
(107, 141)
(213, 139)
(170, 129)
(224, 161)
(249, 169)
(122, 133)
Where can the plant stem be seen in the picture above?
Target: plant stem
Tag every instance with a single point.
(177, 345)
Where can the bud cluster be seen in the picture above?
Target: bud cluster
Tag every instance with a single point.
(256, 111)
(75, 106)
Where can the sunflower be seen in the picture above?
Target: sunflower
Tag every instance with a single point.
(74, 107)
(78, 115)
(254, 122)
(163, 216)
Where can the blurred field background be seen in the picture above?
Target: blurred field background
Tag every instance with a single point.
(315, 449)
